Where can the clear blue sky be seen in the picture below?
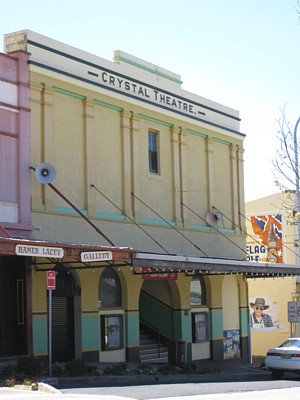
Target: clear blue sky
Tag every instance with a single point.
(243, 54)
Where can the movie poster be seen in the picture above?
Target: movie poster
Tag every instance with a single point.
(231, 344)
(265, 245)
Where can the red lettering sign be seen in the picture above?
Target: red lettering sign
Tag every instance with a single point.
(51, 280)
(151, 274)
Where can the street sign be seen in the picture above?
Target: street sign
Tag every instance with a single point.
(294, 311)
(51, 280)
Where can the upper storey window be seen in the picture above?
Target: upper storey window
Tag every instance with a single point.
(153, 152)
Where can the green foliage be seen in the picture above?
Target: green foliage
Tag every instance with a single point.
(77, 367)
(168, 369)
(119, 369)
(30, 366)
(57, 370)
(10, 382)
(7, 371)
(189, 367)
(145, 369)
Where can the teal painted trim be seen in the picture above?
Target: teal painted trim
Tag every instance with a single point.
(182, 326)
(221, 141)
(244, 322)
(200, 227)
(107, 105)
(40, 335)
(153, 221)
(99, 214)
(67, 93)
(106, 215)
(132, 329)
(90, 332)
(216, 324)
(156, 121)
(197, 133)
(144, 67)
(224, 230)
(68, 210)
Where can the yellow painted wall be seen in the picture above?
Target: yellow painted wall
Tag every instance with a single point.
(277, 292)
(84, 135)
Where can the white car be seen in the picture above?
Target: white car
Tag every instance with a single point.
(285, 357)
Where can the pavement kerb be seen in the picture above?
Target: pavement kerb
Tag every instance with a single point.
(127, 380)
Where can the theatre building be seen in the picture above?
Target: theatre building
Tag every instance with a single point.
(134, 197)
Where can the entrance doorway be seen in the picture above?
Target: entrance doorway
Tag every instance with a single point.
(156, 321)
(13, 313)
(64, 313)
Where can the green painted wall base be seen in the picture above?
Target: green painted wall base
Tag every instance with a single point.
(133, 354)
(217, 350)
(90, 356)
(245, 351)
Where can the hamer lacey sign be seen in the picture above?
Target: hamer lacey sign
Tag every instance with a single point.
(39, 251)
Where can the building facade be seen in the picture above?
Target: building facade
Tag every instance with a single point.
(149, 179)
(272, 238)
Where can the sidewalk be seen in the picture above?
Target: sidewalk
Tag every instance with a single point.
(230, 370)
(225, 371)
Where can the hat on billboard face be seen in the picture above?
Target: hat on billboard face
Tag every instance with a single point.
(259, 302)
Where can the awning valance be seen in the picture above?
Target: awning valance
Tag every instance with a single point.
(212, 266)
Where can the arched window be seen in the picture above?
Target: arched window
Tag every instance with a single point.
(197, 291)
(109, 293)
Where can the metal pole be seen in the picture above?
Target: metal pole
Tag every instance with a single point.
(297, 201)
(297, 183)
(50, 332)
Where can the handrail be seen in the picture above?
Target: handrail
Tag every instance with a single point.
(157, 331)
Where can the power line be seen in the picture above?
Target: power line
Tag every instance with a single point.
(168, 223)
(127, 216)
(215, 228)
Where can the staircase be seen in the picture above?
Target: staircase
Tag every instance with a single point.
(153, 349)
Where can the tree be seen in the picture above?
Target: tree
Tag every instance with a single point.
(297, 7)
(286, 162)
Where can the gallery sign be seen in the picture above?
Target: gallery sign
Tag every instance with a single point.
(39, 251)
(90, 256)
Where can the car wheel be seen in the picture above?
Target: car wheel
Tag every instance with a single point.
(277, 373)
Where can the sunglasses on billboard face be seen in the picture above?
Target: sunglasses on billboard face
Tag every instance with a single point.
(259, 308)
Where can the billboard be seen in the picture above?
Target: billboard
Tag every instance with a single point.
(265, 243)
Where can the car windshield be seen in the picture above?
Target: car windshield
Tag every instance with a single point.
(291, 343)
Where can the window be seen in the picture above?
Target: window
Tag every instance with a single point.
(200, 327)
(197, 291)
(153, 151)
(111, 332)
(109, 293)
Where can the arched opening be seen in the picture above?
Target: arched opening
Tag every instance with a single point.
(109, 292)
(156, 320)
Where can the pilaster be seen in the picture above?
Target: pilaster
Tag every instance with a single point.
(234, 186)
(88, 117)
(126, 153)
(210, 174)
(175, 140)
(47, 142)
